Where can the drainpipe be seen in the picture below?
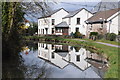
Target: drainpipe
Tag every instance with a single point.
(109, 24)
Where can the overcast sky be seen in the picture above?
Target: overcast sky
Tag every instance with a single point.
(71, 5)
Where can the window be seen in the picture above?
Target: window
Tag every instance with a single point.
(77, 29)
(78, 20)
(77, 57)
(53, 21)
(46, 30)
(52, 46)
(59, 30)
(43, 45)
(43, 31)
(39, 31)
(52, 30)
(53, 55)
(91, 27)
(46, 46)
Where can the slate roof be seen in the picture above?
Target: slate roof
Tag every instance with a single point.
(53, 12)
(73, 13)
(103, 15)
(62, 24)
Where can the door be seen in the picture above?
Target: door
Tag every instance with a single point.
(65, 31)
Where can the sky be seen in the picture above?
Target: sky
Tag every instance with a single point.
(70, 5)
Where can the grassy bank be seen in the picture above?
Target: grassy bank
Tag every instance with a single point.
(110, 52)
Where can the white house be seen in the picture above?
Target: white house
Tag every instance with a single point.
(62, 22)
(46, 24)
(104, 22)
(77, 58)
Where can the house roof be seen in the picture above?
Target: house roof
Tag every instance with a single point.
(62, 24)
(103, 15)
(53, 12)
(73, 13)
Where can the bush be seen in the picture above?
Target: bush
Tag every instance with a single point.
(100, 36)
(77, 35)
(93, 35)
(111, 36)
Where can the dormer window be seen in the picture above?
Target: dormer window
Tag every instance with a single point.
(78, 20)
(53, 21)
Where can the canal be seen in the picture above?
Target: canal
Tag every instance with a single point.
(52, 60)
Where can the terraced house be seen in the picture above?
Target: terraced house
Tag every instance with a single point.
(62, 22)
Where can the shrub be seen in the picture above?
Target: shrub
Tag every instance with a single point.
(111, 36)
(77, 35)
(93, 35)
(100, 36)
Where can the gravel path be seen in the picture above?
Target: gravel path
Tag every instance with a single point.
(112, 45)
(108, 44)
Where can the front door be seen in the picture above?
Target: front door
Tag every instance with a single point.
(65, 31)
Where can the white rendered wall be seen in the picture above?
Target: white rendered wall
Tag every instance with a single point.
(114, 25)
(58, 19)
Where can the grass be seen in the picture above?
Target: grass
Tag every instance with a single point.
(110, 52)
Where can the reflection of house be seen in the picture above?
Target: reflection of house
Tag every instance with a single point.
(77, 57)
(62, 22)
(62, 55)
(104, 22)
(97, 61)
(50, 55)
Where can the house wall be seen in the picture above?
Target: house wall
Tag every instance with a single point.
(113, 26)
(100, 28)
(109, 27)
(72, 22)
(47, 22)
(83, 15)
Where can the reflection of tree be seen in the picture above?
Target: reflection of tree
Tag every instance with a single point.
(77, 49)
(37, 71)
(32, 45)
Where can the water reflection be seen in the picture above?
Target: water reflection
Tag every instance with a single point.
(61, 61)
(62, 55)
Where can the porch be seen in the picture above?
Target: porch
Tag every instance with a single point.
(62, 29)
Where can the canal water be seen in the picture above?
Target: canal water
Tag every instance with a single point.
(46, 60)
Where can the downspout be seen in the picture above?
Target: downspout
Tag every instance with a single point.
(109, 24)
